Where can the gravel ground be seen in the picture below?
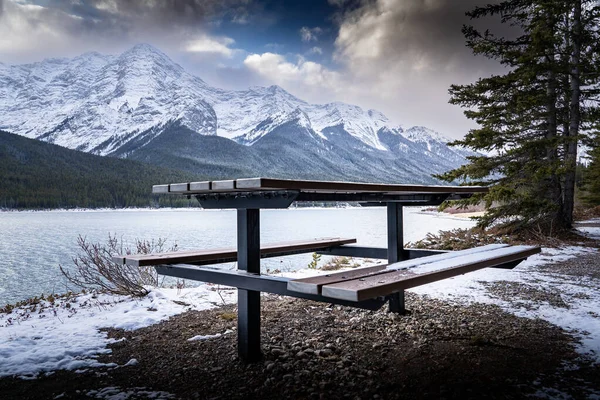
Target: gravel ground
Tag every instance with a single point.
(313, 350)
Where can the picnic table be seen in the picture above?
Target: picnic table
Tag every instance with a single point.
(368, 288)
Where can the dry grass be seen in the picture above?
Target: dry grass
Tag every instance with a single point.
(337, 263)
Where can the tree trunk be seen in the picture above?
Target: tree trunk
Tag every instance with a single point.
(553, 181)
(574, 117)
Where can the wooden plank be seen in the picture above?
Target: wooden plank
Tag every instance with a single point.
(331, 187)
(160, 189)
(200, 186)
(179, 187)
(314, 284)
(444, 256)
(229, 254)
(222, 185)
(393, 281)
(334, 186)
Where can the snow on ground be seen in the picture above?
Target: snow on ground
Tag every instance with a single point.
(66, 334)
(581, 295)
(592, 230)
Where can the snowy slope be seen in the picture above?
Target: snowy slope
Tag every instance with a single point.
(105, 104)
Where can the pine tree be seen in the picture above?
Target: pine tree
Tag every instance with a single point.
(591, 178)
(532, 118)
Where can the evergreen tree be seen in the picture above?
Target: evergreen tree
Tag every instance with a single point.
(591, 177)
(531, 119)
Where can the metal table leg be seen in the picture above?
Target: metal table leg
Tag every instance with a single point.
(248, 243)
(396, 250)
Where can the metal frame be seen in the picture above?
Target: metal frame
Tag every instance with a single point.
(248, 200)
(248, 242)
(349, 250)
(396, 252)
(256, 282)
(269, 199)
(248, 280)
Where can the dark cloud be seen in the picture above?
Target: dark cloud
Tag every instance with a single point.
(116, 17)
(418, 34)
(402, 56)
(164, 12)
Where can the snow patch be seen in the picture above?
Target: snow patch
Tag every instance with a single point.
(66, 334)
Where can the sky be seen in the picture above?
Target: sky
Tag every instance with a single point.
(395, 56)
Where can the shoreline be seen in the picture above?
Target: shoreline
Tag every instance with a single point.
(138, 209)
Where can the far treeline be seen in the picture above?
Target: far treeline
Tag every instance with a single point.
(535, 118)
(39, 175)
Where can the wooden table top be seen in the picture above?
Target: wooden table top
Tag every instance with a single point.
(308, 186)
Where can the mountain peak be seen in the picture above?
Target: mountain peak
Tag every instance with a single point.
(424, 134)
(144, 48)
(276, 89)
(146, 51)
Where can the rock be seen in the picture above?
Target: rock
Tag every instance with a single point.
(326, 353)
(277, 352)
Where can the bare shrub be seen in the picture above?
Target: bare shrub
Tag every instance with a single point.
(95, 268)
(340, 262)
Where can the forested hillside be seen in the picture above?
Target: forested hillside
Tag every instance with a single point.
(38, 175)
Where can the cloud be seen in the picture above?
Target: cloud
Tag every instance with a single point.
(163, 13)
(310, 34)
(30, 31)
(207, 44)
(396, 56)
(305, 77)
(23, 27)
(409, 52)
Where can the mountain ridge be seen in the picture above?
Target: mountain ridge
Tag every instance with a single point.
(116, 105)
(39, 175)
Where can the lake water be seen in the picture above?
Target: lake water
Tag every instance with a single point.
(34, 244)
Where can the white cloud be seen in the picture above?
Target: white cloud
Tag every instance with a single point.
(308, 78)
(26, 27)
(67, 28)
(207, 44)
(315, 50)
(310, 34)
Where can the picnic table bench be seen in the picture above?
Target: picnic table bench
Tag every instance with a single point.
(367, 288)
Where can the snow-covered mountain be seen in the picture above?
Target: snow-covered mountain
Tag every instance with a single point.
(124, 105)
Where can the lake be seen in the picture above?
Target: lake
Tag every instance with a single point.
(34, 243)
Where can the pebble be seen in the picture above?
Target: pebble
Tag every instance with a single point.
(277, 352)
(325, 353)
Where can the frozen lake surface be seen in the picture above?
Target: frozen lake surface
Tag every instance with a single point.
(34, 244)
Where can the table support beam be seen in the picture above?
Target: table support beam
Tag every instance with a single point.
(348, 250)
(396, 252)
(248, 242)
(259, 283)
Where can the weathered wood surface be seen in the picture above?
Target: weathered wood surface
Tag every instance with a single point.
(394, 280)
(266, 184)
(314, 284)
(229, 254)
